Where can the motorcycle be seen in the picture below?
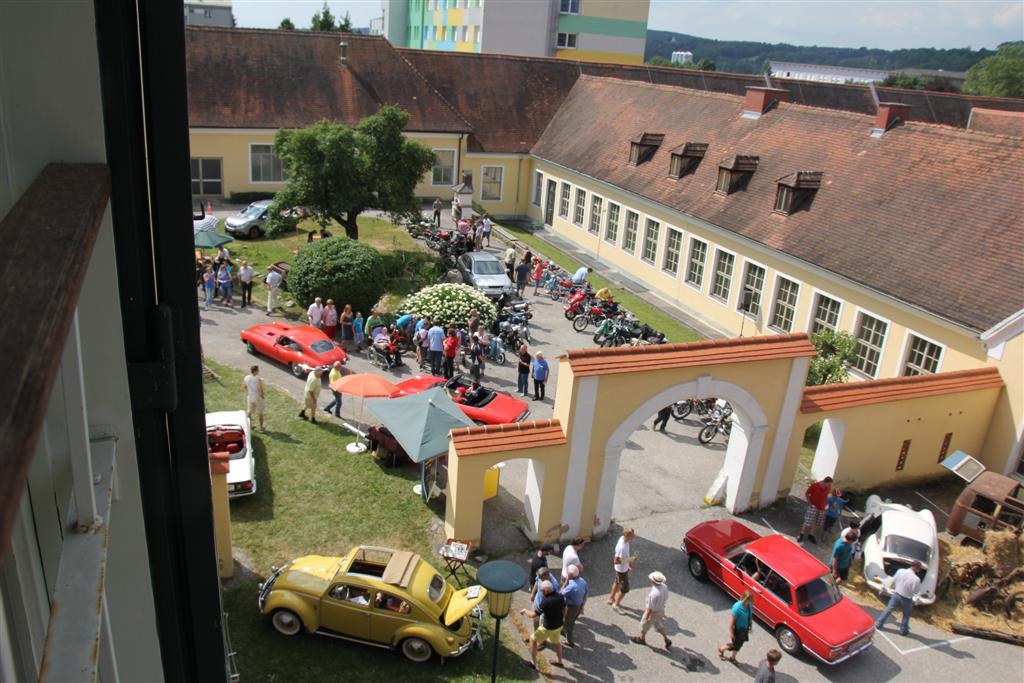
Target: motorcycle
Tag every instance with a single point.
(595, 314)
(562, 287)
(714, 424)
(703, 407)
(604, 330)
(579, 301)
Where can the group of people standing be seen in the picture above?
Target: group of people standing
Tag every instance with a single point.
(477, 229)
(217, 280)
(344, 326)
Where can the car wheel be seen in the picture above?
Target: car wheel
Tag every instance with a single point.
(253, 233)
(250, 348)
(296, 370)
(789, 641)
(417, 650)
(286, 622)
(697, 567)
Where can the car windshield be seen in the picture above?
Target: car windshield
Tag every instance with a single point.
(322, 346)
(253, 211)
(818, 595)
(907, 547)
(488, 267)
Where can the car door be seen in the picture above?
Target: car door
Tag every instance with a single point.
(285, 352)
(345, 609)
(734, 572)
(390, 613)
(773, 596)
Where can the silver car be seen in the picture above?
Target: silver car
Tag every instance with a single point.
(486, 272)
(252, 222)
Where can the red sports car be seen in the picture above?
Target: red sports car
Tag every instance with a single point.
(493, 408)
(794, 593)
(298, 346)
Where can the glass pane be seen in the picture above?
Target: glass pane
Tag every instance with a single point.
(196, 187)
(211, 169)
(194, 164)
(212, 187)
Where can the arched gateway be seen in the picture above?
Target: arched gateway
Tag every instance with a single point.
(603, 396)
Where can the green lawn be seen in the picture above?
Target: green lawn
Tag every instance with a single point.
(659, 320)
(315, 498)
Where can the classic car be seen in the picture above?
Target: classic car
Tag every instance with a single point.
(894, 536)
(794, 593)
(300, 347)
(388, 598)
(493, 408)
(229, 432)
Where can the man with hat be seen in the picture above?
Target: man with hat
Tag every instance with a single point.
(654, 610)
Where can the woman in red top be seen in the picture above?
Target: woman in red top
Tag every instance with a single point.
(538, 273)
(451, 348)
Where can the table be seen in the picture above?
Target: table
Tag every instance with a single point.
(455, 554)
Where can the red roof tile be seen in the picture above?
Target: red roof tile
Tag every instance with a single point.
(853, 394)
(708, 352)
(998, 122)
(927, 214)
(507, 437)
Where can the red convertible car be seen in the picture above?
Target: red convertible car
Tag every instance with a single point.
(492, 409)
(794, 593)
(298, 346)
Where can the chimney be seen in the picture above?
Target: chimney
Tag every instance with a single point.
(343, 49)
(760, 99)
(889, 114)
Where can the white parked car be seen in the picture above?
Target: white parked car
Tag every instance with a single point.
(229, 431)
(892, 537)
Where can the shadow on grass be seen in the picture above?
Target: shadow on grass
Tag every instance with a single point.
(260, 505)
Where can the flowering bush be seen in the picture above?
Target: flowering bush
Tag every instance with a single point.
(450, 304)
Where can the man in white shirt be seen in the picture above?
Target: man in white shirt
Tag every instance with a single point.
(253, 384)
(487, 224)
(580, 276)
(654, 610)
(315, 312)
(905, 585)
(245, 276)
(570, 556)
(273, 283)
(623, 564)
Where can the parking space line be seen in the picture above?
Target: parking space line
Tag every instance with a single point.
(769, 525)
(928, 646)
(931, 503)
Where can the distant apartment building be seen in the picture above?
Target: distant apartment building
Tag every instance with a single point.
(209, 13)
(682, 57)
(824, 73)
(584, 30)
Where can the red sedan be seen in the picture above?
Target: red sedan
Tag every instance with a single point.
(298, 346)
(492, 408)
(794, 593)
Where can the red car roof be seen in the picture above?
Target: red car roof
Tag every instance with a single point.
(795, 564)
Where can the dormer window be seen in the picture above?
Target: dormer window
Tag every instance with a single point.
(796, 191)
(642, 147)
(734, 173)
(686, 158)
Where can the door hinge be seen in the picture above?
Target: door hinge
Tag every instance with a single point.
(154, 383)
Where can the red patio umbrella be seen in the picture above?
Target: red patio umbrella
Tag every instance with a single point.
(364, 385)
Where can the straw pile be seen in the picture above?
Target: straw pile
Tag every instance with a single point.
(1003, 551)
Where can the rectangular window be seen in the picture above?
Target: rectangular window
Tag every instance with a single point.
(264, 167)
(580, 207)
(753, 282)
(444, 167)
(922, 357)
(594, 226)
(673, 245)
(826, 314)
(695, 264)
(786, 294)
(783, 197)
(206, 176)
(650, 250)
(490, 187)
(629, 237)
(724, 261)
(563, 202)
(463, 32)
(538, 184)
(569, 6)
(724, 176)
(567, 41)
(611, 228)
(870, 338)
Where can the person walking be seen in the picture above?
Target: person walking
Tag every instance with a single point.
(654, 610)
(347, 323)
(842, 557)
(623, 565)
(816, 496)
(510, 261)
(540, 375)
(332, 376)
(571, 556)
(523, 379)
(357, 329)
(315, 313)
(245, 276)
(451, 349)
(487, 225)
(552, 616)
(766, 669)
(537, 275)
(522, 275)
(273, 282)
(662, 419)
(312, 393)
(330, 319)
(209, 285)
(435, 340)
(254, 395)
(476, 357)
(437, 211)
(739, 627)
(540, 559)
(575, 593)
(543, 574)
(225, 284)
(906, 583)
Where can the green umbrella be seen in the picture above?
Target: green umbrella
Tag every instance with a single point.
(207, 239)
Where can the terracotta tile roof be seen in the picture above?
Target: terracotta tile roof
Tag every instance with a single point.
(708, 352)
(507, 437)
(853, 394)
(999, 122)
(248, 78)
(898, 214)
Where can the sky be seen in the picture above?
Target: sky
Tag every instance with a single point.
(888, 24)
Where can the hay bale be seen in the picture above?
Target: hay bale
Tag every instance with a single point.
(1002, 550)
(966, 564)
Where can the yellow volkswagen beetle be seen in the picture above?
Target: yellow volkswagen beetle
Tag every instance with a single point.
(377, 596)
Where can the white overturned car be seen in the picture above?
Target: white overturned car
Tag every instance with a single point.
(230, 432)
(893, 536)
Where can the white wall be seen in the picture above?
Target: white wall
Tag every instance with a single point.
(507, 29)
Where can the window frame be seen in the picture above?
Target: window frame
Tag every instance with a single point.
(653, 259)
(564, 199)
(203, 181)
(625, 232)
(747, 263)
(783, 200)
(570, 3)
(776, 284)
(579, 207)
(501, 182)
(815, 294)
(608, 222)
(714, 274)
(698, 286)
(674, 272)
(594, 228)
(284, 171)
(454, 152)
(908, 336)
(882, 349)
(538, 187)
(718, 181)
(569, 37)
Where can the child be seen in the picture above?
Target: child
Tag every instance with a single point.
(357, 329)
(834, 508)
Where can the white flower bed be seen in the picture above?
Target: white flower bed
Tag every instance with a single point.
(450, 304)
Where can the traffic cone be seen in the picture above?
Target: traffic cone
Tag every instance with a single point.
(209, 208)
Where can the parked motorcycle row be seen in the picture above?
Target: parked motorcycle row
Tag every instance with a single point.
(715, 415)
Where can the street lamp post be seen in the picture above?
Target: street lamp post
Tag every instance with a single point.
(502, 579)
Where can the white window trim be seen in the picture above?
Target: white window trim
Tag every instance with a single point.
(905, 353)
(686, 271)
(455, 166)
(574, 197)
(501, 185)
(570, 12)
(732, 278)
(653, 263)
(590, 212)
(682, 251)
(625, 221)
(618, 227)
(569, 203)
(537, 201)
(258, 182)
(857, 312)
(796, 305)
(567, 46)
(743, 284)
(815, 292)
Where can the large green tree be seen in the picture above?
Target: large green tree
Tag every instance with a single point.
(286, 25)
(336, 172)
(325, 21)
(836, 351)
(1001, 75)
